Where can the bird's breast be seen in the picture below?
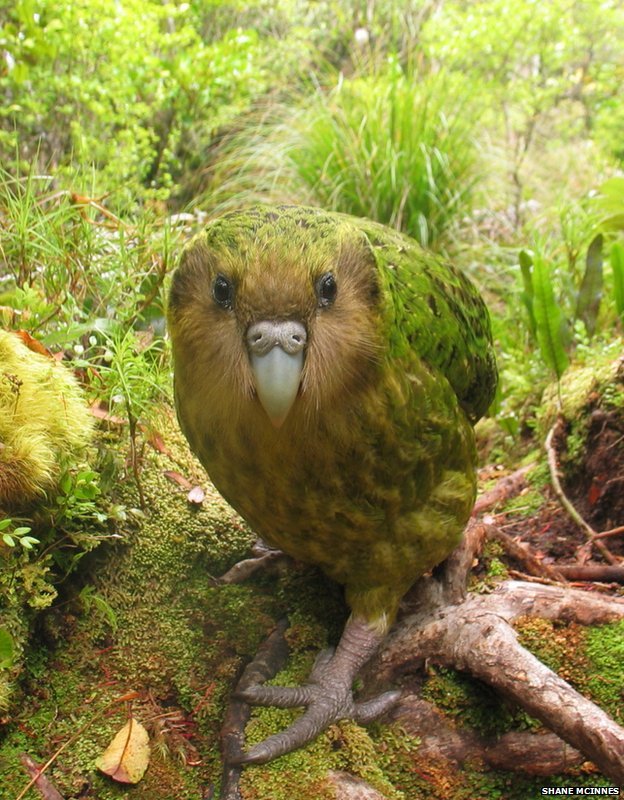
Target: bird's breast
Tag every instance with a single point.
(379, 486)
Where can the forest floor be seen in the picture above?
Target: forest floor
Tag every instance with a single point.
(179, 642)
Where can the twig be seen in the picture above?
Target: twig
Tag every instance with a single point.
(124, 698)
(612, 532)
(523, 554)
(592, 572)
(565, 502)
(45, 786)
(81, 201)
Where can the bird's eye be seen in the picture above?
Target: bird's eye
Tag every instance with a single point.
(223, 292)
(326, 289)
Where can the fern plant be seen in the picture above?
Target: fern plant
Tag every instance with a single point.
(547, 321)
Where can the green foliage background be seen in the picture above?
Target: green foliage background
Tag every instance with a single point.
(491, 131)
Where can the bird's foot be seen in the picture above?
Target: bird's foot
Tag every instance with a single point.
(327, 696)
(264, 559)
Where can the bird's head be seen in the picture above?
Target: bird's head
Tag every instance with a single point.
(278, 308)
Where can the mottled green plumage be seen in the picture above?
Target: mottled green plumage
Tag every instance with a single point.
(372, 475)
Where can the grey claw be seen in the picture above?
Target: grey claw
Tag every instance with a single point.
(371, 709)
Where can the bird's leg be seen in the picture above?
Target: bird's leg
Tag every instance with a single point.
(327, 696)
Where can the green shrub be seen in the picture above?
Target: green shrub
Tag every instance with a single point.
(394, 147)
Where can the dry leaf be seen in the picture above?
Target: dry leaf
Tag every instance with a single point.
(158, 443)
(175, 477)
(33, 344)
(101, 412)
(127, 756)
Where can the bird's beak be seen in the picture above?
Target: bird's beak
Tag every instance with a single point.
(276, 352)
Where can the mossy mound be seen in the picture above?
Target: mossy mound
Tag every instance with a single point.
(590, 443)
(45, 427)
(44, 422)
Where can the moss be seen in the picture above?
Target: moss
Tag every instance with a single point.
(589, 658)
(180, 643)
(605, 681)
(525, 504)
(473, 704)
(302, 775)
(581, 387)
(491, 569)
(44, 422)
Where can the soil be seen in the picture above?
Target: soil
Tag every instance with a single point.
(595, 487)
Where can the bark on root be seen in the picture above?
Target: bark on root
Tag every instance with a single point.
(474, 633)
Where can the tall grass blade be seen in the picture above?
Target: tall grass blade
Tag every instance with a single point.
(590, 293)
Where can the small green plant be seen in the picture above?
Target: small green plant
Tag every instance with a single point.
(94, 602)
(617, 269)
(130, 376)
(7, 649)
(545, 319)
(14, 535)
(563, 284)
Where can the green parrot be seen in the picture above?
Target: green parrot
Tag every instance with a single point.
(327, 373)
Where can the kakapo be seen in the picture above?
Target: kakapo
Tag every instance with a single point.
(328, 373)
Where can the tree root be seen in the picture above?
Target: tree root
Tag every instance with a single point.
(474, 633)
(594, 538)
(440, 740)
(270, 658)
(446, 625)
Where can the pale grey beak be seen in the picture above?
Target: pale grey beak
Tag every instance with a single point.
(276, 350)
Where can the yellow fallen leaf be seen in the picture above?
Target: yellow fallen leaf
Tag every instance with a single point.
(127, 756)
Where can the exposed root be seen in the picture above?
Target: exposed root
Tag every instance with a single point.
(441, 740)
(593, 537)
(475, 635)
(270, 658)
